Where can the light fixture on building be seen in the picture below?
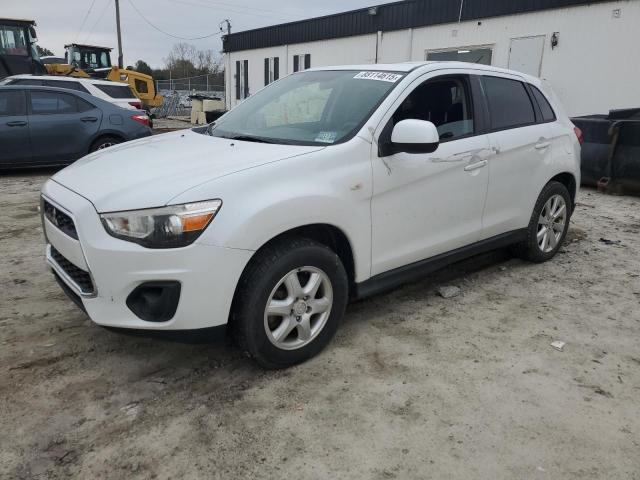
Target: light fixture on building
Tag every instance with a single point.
(555, 39)
(372, 11)
(464, 51)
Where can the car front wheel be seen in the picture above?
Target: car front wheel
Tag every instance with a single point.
(289, 302)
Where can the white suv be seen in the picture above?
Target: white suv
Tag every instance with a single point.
(113, 92)
(329, 184)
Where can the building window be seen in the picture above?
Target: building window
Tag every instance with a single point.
(301, 62)
(480, 55)
(242, 79)
(271, 70)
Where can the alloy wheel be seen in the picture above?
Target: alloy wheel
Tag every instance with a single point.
(298, 308)
(551, 223)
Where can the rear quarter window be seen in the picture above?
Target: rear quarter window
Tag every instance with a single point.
(509, 103)
(116, 91)
(548, 115)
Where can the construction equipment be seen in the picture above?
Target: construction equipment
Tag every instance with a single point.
(18, 48)
(18, 55)
(95, 62)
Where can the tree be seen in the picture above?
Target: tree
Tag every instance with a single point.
(143, 67)
(44, 52)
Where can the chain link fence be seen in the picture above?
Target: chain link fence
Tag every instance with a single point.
(176, 93)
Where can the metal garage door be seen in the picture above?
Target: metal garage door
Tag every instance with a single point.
(525, 54)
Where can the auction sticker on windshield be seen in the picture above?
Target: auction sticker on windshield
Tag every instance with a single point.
(382, 76)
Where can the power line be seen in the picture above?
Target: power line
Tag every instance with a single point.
(241, 9)
(92, 30)
(167, 33)
(85, 19)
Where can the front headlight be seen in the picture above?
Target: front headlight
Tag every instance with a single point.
(166, 227)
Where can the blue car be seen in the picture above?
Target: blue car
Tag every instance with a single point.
(46, 126)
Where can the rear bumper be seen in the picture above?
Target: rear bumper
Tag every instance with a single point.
(103, 271)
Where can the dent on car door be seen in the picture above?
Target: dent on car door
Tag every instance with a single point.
(61, 126)
(427, 204)
(15, 146)
(522, 143)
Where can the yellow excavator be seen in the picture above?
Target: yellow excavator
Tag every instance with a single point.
(18, 54)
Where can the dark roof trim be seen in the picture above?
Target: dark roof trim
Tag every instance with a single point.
(388, 17)
(16, 21)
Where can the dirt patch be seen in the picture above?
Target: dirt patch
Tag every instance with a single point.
(413, 386)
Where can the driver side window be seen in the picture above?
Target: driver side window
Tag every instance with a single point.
(444, 101)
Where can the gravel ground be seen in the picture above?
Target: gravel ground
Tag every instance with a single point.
(413, 386)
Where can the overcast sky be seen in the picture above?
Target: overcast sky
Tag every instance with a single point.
(93, 21)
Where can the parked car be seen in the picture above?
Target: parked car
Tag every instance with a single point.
(51, 126)
(119, 94)
(329, 184)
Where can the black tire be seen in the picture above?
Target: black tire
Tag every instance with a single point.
(259, 280)
(529, 248)
(104, 142)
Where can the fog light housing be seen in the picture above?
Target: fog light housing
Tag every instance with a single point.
(155, 301)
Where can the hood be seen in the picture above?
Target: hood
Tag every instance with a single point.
(150, 172)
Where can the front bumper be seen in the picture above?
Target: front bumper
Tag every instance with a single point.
(101, 271)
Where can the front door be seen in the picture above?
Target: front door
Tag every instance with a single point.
(427, 204)
(15, 146)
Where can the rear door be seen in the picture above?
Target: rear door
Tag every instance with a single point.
(522, 146)
(61, 126)
(15, 146)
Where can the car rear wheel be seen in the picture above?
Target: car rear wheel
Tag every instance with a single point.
(548, 224)
(289, 302)
(104, 142)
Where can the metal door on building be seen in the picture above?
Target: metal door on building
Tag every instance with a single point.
(525, 54)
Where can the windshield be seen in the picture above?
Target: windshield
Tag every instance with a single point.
(90, 59)
(13, 40)
(309, 108)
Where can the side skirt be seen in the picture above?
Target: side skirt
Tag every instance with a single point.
(409, 273)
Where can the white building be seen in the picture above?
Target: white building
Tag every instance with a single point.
(588, 50)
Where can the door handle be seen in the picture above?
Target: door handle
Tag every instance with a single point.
(17, 123)
(89, 119)
(542, 145)
(475, 166)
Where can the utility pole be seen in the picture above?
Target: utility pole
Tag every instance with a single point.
(226, 20)
(120, 62)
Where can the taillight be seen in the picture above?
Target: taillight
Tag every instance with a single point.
(143, 119)
(137, 105)
(579, 135)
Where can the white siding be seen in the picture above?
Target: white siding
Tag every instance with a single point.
(594, 67)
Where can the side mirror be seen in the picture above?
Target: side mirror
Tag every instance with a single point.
(415, 136)
(32, 33)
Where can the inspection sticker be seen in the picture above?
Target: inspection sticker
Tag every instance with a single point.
(326, 137)
(382, 76)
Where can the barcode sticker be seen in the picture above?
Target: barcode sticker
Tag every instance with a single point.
(381, 76)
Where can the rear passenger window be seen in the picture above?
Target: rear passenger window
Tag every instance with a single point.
(117, 91)
(84, 106)
(543, 103)
(509, 103)
(69, 85)
(52, 103)
(12, 103)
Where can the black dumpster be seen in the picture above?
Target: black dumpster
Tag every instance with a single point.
(611, 151)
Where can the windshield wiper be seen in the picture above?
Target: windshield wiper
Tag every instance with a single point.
(249, 138)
